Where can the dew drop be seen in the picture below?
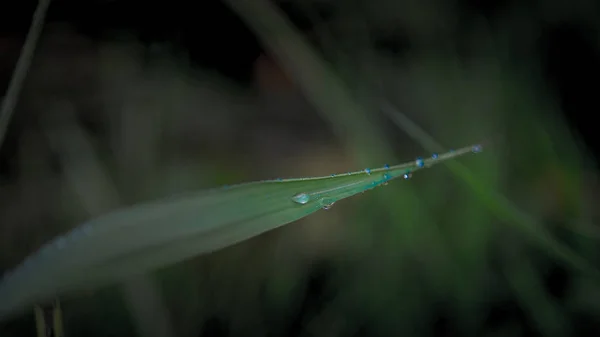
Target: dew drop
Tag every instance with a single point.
(419, 162)
(279, 179)
(386, 166)
(476, 149)
(328, 206)
(368, 171)
(434, 156)
(301, 198)
(333, 175)
(407, 175)
(386, 177)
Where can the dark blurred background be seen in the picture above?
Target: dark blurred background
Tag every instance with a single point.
(192, 80)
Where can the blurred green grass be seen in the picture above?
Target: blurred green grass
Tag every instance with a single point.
(409, 248)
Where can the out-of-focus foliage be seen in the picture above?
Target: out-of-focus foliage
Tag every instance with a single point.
(415, 259)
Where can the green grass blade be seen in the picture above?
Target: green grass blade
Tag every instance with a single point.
(8, 104)
(146, 237)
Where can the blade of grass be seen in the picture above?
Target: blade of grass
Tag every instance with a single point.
(16, 82)
(327, 92)
(316, 80)
(150, 236)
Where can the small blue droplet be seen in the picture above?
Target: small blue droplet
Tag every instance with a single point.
(368, 171)
(386, 166)
(476, 149)
(333, 175)
(387, 177)
(434, 156)
(279, 179)
(419, 162)
(407, 175)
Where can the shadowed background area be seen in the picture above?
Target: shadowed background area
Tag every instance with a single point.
(180, 96)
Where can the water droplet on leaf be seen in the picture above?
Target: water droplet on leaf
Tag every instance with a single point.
(419, 162)
(301, 198)
(328, 206)
(368, 171)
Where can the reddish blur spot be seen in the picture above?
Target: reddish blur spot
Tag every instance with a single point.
(270, 77)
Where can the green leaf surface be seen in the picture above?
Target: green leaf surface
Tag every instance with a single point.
(146, 237)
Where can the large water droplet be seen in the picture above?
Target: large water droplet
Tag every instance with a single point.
(419, 162)
(328, 206)
(301, 198)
